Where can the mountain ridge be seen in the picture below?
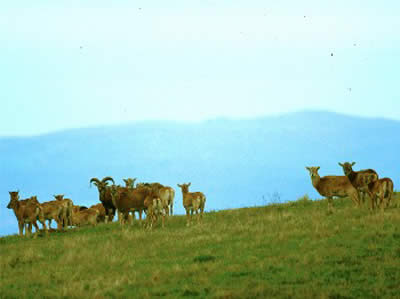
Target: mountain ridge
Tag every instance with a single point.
(236, 163)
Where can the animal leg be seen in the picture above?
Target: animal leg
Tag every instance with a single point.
(21, 228)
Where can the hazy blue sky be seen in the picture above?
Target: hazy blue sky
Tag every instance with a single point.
(80, 63)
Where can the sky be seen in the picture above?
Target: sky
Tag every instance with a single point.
(72, 64)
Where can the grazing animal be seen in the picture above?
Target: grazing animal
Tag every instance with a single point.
(360, 180)
(105, 195)
(331, 186)
(85, 217)
(67, 210)
(193, 202)
(27, 212)
(382, 189)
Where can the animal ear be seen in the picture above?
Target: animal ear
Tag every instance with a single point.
(340, 164)
(189, 184)
(352, 164)
(179, 185)
(308, 168)
(318, 168)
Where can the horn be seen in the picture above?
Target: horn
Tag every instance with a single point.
(108, 178)
(93, 180)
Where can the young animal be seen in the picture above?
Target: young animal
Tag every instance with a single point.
(66, 215)
(193, 202)
(155, 209)
(85, 217)
(360, 180)
(382, 189)
(333, 186)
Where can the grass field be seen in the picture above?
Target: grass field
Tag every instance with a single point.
(291, 250)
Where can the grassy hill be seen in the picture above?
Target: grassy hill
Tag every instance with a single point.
(236, 163)
(291, 250)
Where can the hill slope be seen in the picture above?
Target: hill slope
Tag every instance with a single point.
(236, 163)
(292, 250)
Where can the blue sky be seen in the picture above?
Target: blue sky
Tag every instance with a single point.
(70, 65)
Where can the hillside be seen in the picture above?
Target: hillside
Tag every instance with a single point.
(236, 163)
(292, 250)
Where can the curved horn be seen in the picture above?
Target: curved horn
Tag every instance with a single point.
(108, 178)
(93, 180)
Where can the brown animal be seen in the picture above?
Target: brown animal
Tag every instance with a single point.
(165, 193)
(85, 217)
(129, 182)
(128, 199)
(105, 195)
(67, 210)
(193, 202)
(102, 217)
(331, 186)
(27, 212)
(53, 210)
(155, 209)
(382, 189)
(360, 180)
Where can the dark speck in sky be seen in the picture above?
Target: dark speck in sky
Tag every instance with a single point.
(331, 54)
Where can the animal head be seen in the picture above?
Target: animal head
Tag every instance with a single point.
(59, 196)
(313, 171)
(184, 187)
(129, 182)
(34, 199)
(14, 197)
(101, 185)
(347, 167)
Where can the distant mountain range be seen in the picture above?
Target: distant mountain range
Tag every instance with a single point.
(236, 163)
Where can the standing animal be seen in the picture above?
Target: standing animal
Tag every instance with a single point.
(67, 210)
(193, 202)
(382, 189)
(360, 180)
(155, 209)
(127, 199)
(331, 186)
(27, 212)
(53, 210)
(105, 195)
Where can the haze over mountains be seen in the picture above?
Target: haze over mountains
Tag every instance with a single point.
(236, 163)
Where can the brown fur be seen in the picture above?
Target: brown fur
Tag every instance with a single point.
(360, 180)
(193, 202)
(382, 189)
(128, 199)
(102, 212)
(130, 182)
(67, 210)
(53, 210)
(331, 186)
(155, 209)
(85, 217)
(27, 212)
(105, 195)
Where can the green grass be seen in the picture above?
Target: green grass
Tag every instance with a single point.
(292, 250)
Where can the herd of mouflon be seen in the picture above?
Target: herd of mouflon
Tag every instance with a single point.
(155, 199)
(355, 185)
